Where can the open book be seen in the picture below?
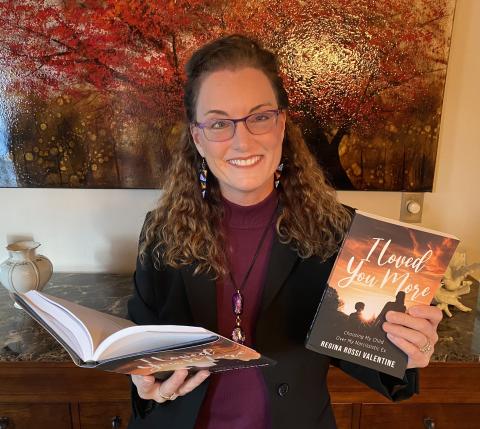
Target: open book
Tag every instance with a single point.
(383, 265)
(98, 340)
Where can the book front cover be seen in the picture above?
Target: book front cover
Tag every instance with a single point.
(219, 355)
(382, 266)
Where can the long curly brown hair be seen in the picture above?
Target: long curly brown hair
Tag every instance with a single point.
(185, 229)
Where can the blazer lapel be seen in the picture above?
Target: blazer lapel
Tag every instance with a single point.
(282, 260)
(201, 289)
(201, 295)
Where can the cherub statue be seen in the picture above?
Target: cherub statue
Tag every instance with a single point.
(454, 284)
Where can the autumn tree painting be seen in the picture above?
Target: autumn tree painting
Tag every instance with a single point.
(91, 91)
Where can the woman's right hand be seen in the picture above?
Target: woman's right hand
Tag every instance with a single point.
(176, 385)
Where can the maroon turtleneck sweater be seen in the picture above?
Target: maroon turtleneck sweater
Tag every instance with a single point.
(238, 399)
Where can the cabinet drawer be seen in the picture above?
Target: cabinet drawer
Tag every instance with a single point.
(106, 415)
(420, 416)
(38, 416)
(343, 415)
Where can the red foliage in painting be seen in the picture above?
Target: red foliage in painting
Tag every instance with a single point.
(350, 65)
(126, 47)
(356, 59)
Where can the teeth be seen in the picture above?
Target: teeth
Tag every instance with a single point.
(244, 162)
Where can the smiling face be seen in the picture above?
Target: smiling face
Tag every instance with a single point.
(245, 164)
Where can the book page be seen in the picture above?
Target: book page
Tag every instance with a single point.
(73, 330)
(137, 339)
(62, 331)
(96, 324)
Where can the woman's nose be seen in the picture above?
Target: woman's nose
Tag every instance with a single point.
(242, 138)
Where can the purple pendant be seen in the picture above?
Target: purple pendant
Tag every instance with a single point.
(238, 335)
(237, 303)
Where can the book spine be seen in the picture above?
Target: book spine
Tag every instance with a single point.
(312, 324)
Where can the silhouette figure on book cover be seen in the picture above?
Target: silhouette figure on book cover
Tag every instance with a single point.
(397, 305)
(355, 319)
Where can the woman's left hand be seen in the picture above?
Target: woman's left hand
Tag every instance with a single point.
(414, 332)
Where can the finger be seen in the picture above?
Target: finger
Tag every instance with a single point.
(416, 359)
(143, 381)
(412, 322)
(170, 386)
(145, 385)
(419, 339)
(429, 312)
(147, 380)
(192, 382)
(423, 325)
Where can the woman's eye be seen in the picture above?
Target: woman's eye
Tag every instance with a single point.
(219, 125)
(260, 117)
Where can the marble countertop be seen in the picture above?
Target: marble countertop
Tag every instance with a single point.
(459, 335)
(22, 339)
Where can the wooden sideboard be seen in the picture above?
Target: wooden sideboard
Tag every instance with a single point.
(40, 388)
(61, 396)
(449, 398)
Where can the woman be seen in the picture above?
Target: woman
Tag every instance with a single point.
(247, 210)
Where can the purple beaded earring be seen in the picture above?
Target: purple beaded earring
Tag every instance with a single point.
(278, 174)
(203, 178)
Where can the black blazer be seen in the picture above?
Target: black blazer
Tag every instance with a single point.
(297, 383)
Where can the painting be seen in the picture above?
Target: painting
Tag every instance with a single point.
(91, 90)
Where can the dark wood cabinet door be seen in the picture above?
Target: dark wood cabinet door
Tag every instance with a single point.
(343, 415)
(106, 415)
(420, 416)
(38, 416)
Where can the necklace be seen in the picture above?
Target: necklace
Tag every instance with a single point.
(238, 334)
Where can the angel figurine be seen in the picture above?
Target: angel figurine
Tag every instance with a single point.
(454, 284)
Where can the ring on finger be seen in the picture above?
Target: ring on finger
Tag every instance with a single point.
(171, 397)
(427, 347)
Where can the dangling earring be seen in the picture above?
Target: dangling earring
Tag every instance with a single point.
(278, 174)
(203, 178)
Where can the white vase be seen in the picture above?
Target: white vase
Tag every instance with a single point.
(24, 270)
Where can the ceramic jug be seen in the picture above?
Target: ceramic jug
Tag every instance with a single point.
(24, 270)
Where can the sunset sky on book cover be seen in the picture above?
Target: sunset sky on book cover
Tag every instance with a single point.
(366, 252)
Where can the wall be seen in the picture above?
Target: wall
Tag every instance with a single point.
(97, 230)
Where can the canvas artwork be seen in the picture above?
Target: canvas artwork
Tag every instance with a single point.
(91, 90)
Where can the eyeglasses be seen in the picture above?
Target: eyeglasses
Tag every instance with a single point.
(219, 130)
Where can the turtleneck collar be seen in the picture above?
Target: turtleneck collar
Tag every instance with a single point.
(248, 217)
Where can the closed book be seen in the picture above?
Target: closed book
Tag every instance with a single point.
(382, 265)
